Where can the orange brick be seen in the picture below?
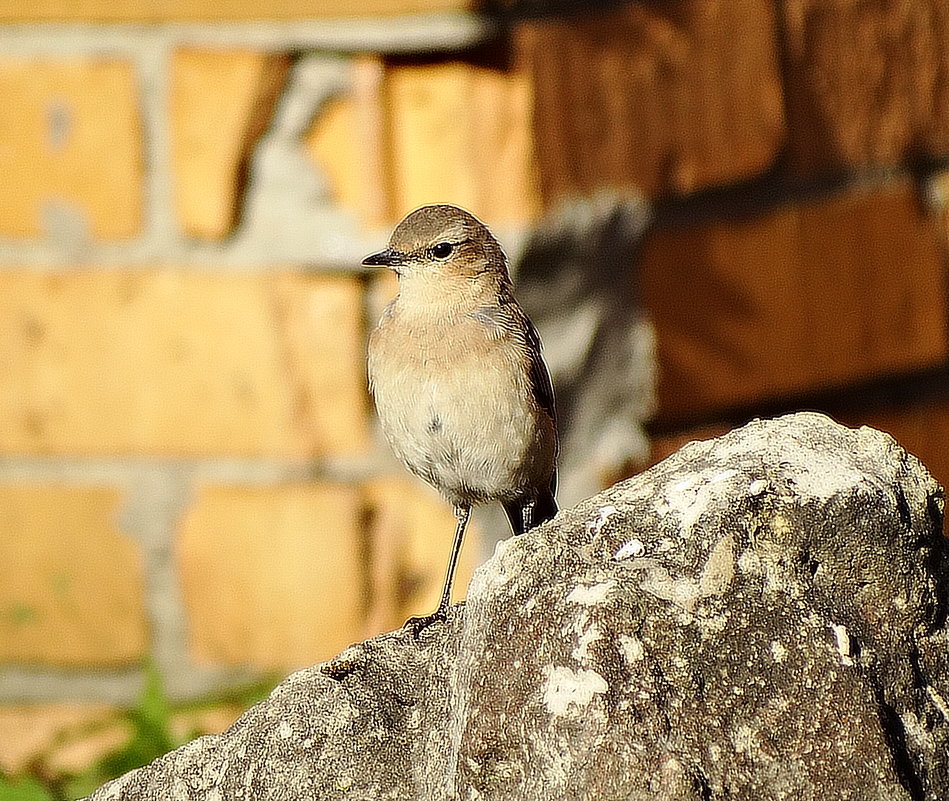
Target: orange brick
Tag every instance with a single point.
(61, 738)
(71, 585)
(434, 131)
(865, 82)
(70, 144)
(214, 132)
(658, 96)
(461, 132)
(173, 362)
(273, 577)
(223, 10)
(412, 532)
(347, 142)
(802, 299)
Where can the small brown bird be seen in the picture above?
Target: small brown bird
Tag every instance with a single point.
(463, 394)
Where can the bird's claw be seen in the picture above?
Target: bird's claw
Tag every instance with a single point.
(418, 624)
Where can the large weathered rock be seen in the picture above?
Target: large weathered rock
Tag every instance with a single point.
(761, 616)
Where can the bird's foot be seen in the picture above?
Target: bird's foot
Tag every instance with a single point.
(418, 624)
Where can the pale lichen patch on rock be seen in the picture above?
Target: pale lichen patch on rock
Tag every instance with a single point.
(591, 594)
(719, 570)
(565, 688)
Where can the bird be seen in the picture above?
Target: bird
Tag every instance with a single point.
(462, 392)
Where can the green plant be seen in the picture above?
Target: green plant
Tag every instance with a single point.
(24, 789)
(152, 734)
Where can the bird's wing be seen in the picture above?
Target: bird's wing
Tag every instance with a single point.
(543, 389)
(507, 318)
(540, 376)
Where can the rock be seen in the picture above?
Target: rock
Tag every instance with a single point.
(760, 616)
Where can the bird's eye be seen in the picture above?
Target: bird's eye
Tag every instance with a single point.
(442, 250)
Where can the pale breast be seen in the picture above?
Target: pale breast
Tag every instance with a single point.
(456, 406)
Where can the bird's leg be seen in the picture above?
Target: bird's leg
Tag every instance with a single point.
(417, 624)
(527, 515)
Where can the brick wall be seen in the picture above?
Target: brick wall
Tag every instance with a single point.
(796, 153)
(190, 475)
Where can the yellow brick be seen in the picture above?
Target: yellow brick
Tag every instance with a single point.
(273, 577)
(71, 585)
(333, 145)
(188, 10)
(348, 143)
(189, 722)
(325, 351)
(214, 132)
(61, 738)
(461, 133)
(411, 134)
(411, 537)
(173, 362)
(70, 137)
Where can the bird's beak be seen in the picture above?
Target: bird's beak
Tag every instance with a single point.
(384, 258)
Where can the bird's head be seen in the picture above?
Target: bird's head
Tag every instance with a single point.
(443, 241)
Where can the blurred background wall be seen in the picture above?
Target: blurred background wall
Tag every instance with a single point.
(716, 210)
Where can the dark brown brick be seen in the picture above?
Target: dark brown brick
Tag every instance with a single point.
(802, 300)
(656, 95)
(867, 83)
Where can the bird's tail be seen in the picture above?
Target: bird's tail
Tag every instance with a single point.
(525, 513)
(545, 508)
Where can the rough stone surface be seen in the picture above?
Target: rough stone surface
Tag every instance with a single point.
(759, 616)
